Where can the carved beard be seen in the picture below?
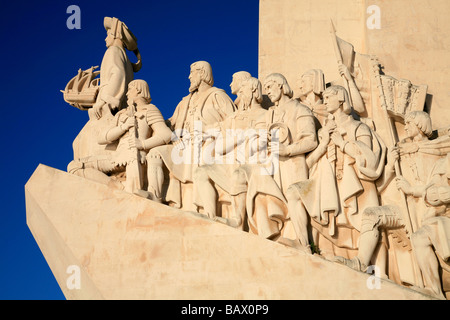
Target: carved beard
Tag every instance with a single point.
(194, 85)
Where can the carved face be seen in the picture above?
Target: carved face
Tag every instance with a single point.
(411, 129)
(196, 78)
(109, 40)
(273, 90)
(331, 101)
(305, 85)
(132, 94)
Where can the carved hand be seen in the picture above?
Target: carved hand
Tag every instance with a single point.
(337, 139)
(404, 185)
(343, 71)
(97, 108)
(278, 148)
(393, 155)
(129, 123)
(135, 143)
(283, 150)
(432, 196)
(330, 125)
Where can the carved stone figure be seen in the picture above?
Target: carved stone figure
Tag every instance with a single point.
(203, 106)
(432, 241)
(116, 73)
(236, 144)
(421, 154)
(116, 70)
(307, 170)
(311, 86)
(291, 130)
(137, 129)
(237, 79)
(343, 170)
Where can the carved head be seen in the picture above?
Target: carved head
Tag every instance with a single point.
(250, 89)
(237, 80)
(275, 86)
(118, 34)
(312, 81)
(336, 97)
(200, 71)
(138, 89)
(116, 29)
(418, 123)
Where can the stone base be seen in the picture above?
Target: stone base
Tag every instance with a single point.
(115, 245)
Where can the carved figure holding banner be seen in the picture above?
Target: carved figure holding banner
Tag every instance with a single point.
(343, 170)
(419, 154)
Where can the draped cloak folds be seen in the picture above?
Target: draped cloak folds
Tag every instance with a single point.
(296, 124)
(339, 189)
(437, 219)
(210, 107)
(116, 72)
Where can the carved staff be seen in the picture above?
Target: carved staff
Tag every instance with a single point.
(338, 53)
(133, 133)
(393, 134)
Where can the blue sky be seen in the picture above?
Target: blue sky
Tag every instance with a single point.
(40, 54)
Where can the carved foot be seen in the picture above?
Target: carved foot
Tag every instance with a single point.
(294, 244)
(354, 263)
(115, 184)
(144, 194)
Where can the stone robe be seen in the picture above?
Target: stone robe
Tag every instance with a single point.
(204, 108)
(340, 187)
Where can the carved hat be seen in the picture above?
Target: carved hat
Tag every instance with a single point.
(119, 30)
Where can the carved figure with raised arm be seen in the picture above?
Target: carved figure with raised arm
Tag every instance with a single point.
(343, 170)
(421, 155)
(356, 98)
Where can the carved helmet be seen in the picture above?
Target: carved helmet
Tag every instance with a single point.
(119, 30)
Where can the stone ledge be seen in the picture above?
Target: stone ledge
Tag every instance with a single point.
(127, 247)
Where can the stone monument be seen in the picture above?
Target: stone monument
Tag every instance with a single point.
(335, 186)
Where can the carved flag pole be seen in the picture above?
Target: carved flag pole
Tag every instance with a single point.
(339, 58)
(392, 133)
(410, 227)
